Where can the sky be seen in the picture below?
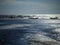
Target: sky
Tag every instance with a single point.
(16, 7)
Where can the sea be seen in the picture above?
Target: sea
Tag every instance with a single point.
(20, 31)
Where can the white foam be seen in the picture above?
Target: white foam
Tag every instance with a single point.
(50, 21)
(57, 30)
(13, 26)
(42, 38)
(57, 26)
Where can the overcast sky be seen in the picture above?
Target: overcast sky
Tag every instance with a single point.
(29, 6)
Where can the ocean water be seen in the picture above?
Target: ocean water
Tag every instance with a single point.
(19, 31)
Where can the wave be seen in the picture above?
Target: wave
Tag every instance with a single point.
(13, 26)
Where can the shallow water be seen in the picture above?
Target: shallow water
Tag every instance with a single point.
(18, 32)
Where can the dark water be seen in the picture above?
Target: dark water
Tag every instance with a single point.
(17, 35)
